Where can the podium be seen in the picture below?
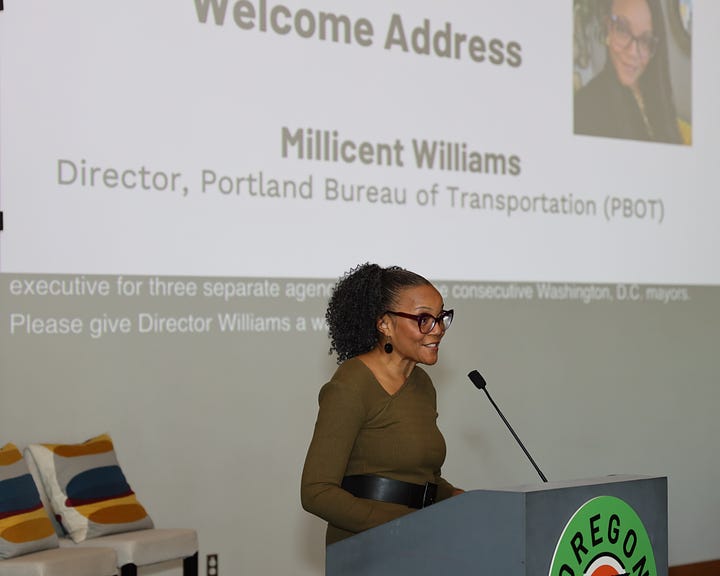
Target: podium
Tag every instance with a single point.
(520, 531)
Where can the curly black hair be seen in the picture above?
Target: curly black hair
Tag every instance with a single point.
(359, 298)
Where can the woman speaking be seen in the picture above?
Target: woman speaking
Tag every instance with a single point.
(376, 451)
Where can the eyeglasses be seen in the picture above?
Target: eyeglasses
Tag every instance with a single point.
(623, 37)
(426, 322)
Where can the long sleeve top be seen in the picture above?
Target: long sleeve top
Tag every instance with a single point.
(362, 429)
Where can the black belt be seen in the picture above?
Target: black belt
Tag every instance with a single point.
(389, 490)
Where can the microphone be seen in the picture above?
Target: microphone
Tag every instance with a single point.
(480, 384)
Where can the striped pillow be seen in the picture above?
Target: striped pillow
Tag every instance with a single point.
(24, 523)
(87, 489)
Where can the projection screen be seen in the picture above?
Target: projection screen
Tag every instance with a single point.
(182, 182)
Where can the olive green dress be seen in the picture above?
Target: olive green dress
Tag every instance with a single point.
(361, 429)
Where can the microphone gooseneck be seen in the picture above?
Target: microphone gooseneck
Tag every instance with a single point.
(480, 384)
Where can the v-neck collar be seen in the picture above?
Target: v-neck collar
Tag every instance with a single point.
(397, 392)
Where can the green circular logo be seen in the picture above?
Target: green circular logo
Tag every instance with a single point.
(605, 537)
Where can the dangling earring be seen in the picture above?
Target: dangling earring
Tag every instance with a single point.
(388, 347)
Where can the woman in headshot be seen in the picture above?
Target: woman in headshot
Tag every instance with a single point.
(376, 451)
(632, 96)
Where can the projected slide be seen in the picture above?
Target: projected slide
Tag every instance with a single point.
(182, 182)
(268, 139)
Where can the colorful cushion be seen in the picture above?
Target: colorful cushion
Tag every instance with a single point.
(87, 489)
(24, 523)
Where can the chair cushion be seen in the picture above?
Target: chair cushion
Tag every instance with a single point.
(87, 488)
(63, 562)
(25, 526)
(146, 547)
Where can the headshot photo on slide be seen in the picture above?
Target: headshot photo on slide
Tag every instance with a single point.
(632, 69)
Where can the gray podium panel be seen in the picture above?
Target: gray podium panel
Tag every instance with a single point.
(506, 531)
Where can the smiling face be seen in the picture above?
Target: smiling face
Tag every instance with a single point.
(630, 39)
(407, 340)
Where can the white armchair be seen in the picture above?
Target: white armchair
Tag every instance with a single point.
(62, 562)
(146, 547)
(141, 545)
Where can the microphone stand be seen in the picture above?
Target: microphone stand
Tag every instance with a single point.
(480, 383)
